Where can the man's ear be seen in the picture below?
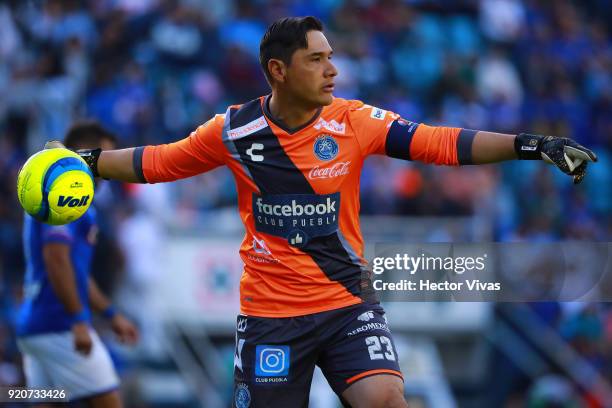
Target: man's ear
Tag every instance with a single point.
(277, 69)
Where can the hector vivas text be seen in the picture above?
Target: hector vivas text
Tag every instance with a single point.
(412, 264)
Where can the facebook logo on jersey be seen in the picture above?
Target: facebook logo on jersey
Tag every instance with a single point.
(296, 217)
(272, 361)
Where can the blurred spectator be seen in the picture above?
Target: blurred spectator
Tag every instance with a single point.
(141, 235)
(552, 391)
(502, 20)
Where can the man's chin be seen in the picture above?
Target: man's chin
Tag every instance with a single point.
(320, 100)
(326, 99)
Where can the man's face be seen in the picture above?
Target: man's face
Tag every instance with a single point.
(310, 76)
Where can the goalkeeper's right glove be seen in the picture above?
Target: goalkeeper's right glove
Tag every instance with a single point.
(89, 155)
(566, 154)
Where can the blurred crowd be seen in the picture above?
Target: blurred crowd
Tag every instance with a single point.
(153, 70)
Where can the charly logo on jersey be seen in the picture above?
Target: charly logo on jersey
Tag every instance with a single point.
(255, 147)
(242, 396)
(325, 147)
(296, 217)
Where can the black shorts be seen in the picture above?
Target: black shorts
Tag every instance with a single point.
(275, 357)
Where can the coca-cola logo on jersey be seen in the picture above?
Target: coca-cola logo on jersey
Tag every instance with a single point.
(337, 170)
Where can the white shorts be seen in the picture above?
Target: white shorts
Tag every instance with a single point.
(50, 361)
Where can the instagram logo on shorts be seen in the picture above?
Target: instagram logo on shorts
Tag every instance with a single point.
(272, 360)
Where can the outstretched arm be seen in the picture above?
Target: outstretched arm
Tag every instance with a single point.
(118, 165)
(199, 152)
(383, 132)
(110, 164)
(456, 146)
(489, 147)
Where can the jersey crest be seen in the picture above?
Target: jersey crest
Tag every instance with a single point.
(325, 148)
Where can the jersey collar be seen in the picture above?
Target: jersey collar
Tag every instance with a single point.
(283, 126)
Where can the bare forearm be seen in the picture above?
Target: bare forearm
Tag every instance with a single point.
(97, 300)
(489, 147)
(118, 165)
(62, 278)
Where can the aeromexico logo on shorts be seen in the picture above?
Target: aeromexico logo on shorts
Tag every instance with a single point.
(296, 217)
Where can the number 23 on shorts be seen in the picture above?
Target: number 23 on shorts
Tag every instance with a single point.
(380, 347)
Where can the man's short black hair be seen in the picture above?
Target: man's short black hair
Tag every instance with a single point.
(283, 38)
(88, 133)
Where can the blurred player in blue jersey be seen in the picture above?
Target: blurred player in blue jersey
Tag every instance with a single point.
(60, 348)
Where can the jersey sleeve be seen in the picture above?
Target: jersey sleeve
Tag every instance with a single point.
(435, 144)
(56, 233)
(201, 151)
(370, 125)
(384, 132)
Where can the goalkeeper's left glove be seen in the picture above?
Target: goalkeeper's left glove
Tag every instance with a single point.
(563, 152)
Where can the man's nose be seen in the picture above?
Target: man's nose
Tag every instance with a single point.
(331, 70)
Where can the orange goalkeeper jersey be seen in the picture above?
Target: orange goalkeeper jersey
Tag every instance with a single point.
(298, 193)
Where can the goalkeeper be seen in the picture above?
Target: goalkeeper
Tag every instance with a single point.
(296, 155)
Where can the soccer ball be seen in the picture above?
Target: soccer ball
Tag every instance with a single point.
(55, 186)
